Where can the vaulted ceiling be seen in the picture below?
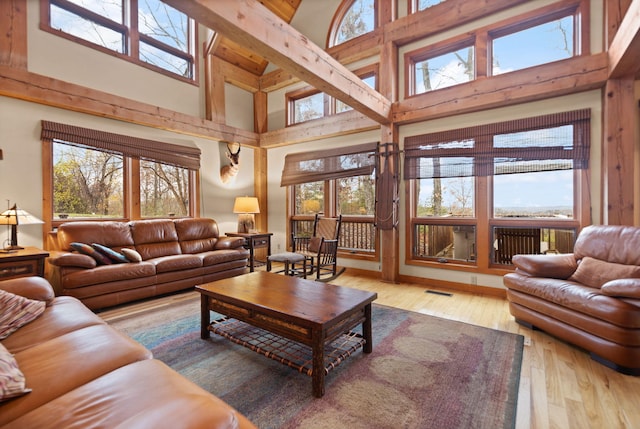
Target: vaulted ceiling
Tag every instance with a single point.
(244, 58)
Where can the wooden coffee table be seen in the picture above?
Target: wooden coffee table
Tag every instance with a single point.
(281, 316)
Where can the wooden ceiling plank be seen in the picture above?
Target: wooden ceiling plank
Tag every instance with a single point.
(251, 25)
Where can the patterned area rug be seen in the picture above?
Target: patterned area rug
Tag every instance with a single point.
(424, 372)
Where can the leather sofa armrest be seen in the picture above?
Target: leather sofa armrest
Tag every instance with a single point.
(29, 287)
(549, 266)
(229, 243)
(65, 259)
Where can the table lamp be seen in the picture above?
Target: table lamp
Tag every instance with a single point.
(14, 217)
(246, 207)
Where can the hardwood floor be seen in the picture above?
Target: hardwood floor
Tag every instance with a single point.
(560, 386)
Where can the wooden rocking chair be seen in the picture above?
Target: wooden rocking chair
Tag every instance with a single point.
(321, 249)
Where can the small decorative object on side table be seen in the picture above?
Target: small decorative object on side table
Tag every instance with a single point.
(22, 263)
(253, 241)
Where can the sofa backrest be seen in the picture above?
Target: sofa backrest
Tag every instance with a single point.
(115, 235)
(197, 235)
(155, 237)
(611, 243)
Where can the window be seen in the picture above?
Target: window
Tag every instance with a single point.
(164, 190)
(537, 38)
(418, 5)
(162, 37)
(333, 182)
(515, 182)
(307, 104)
(442, 71)
(87, 183)
(94, 174)
(554, 40)
(353, 18)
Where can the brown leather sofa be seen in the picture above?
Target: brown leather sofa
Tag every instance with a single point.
(590, 298)
(176, 254)
(83, 373)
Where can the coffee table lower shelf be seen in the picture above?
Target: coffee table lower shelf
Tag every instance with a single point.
(288, 352)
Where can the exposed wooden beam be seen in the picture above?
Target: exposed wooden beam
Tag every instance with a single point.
(13, 33)
(253, 26)
(546, 81)
(44, 90)
(624, 51)
(449, 14)
(338, 125)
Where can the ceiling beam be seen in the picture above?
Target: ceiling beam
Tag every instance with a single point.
(623, 53)
(253, 26)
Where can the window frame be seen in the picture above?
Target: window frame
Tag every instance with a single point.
(292, 176)
(485, 221)
(329, 103)
(131, 177)
(482, 39)
(131, 37)
(338, 17)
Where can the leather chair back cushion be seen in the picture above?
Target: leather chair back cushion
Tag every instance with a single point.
(197, 235)
(154, 238)
(611, 243)
(114, 235)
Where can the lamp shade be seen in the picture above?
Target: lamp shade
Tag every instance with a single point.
(246, 205)
(16, 216)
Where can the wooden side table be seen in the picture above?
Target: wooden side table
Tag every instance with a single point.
(22, 263)
(253, 241)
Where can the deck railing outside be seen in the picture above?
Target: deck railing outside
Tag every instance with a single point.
(357, 235)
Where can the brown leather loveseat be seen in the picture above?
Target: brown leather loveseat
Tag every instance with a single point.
(164, 255)
(82, 373)
(590, 298)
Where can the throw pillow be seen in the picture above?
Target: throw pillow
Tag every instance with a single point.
(116, 257)
(623, 288)
(595, 273)
(12, 382)
(90, 251)
(16, 311)
(131, 255)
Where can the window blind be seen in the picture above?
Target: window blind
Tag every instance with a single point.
(167, 153)
(544, 143)
(315, 166)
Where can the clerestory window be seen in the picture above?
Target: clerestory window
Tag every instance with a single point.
(147, 32)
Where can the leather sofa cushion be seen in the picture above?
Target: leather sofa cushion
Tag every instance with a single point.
(197, 235)
(145, 394)
(64, 363)
(612, 243)
(64, 315)
(583, 299)
(222, 256)
(154, 238)
(108, 233)
(175, 263)
(108, 273)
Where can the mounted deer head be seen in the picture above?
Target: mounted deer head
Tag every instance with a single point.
(230, 170)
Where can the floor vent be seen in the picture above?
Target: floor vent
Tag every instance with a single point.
(436, 292)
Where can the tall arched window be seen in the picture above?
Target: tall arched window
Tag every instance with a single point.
(353, 18)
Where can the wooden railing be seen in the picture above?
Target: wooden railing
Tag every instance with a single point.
(357, 235)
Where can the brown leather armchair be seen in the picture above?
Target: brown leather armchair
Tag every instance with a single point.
(590, 298)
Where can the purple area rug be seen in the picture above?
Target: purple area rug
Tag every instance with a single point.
(424, 372)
